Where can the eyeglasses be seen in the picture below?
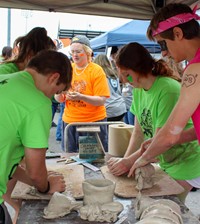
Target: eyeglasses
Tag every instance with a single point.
(76, 52)
(163, 45)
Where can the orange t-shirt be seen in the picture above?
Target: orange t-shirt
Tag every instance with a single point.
(92, 81)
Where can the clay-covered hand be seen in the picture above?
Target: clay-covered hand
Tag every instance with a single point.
(57, 183)
(118, 166)
(141, 161)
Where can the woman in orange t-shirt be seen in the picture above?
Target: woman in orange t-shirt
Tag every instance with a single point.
(84, 102)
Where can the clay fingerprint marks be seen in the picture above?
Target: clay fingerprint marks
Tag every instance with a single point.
(144, 177)
(126, 187)
(165, 211)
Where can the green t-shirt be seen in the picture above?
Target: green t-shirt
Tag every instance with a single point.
(152, 109)
(25, 121)
(7, 68)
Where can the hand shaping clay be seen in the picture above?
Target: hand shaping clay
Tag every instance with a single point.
(60, 205)
(143, 177)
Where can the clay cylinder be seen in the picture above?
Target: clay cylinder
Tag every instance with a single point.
(99, 191)
(118, 139)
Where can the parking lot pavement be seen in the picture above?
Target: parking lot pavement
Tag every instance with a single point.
(193, 202)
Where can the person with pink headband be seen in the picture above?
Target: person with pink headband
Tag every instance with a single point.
(175, 21)
(176, 28)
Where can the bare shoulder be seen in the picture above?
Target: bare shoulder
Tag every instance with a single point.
(191, 76)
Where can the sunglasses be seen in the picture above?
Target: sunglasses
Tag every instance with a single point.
(76, 52)
(163, 45)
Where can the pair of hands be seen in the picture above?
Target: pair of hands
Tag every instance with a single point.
(57, 182)
(120, 166)
(73, 96)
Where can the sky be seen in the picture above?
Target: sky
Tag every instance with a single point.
(22, 21)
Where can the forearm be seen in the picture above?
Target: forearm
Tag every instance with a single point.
(187, 136)
(36, 167)
(40, 181)
(133, 146)
(161, 142)
(136, 140)
(21, 175)
(133, 157)
(94, 100)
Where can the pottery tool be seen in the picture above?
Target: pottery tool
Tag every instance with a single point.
(85, 162)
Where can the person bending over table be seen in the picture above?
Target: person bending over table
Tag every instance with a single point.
(26, 121)
(155, 95)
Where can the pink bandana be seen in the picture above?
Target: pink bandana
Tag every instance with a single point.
(176, 20)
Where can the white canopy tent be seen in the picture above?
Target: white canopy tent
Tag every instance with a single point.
(132, 9)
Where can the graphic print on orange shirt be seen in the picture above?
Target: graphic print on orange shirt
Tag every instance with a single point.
(78, 86)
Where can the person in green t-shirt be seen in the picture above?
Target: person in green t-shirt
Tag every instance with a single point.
(28, 46)
(25, 47)
(26, 120)
(155, 94)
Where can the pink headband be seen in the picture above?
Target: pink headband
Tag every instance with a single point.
(176, 20)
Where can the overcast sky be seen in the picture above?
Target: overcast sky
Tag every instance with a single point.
(23, 21)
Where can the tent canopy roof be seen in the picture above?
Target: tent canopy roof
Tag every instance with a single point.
(131, 9)
(133, 31)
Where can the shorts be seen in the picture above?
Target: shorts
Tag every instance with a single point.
(194, 182)
(4, 215)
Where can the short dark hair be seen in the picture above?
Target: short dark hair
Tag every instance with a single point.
(50, 61)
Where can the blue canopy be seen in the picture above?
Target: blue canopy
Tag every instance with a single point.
(133, 31)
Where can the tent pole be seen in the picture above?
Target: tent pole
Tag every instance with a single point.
(106, 50)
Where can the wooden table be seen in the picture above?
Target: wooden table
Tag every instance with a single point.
(32, 210)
